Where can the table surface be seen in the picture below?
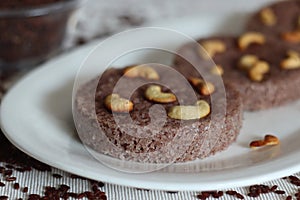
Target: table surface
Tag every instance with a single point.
(22, 177)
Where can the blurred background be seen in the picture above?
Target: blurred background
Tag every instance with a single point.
(99, 18)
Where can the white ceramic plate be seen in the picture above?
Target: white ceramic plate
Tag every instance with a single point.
(36, 116)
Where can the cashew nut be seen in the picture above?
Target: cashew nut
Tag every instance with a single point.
(257, 143)
(249, 38)
(217, 70)
(268, 140)
(256, 68)
(117, 104)
(268, 17)
(198, 111)
(257, 72)
(154, 93)
(293, 36)
(204, 88)
(246, 62)
(212, 47)
(145, 72)
(271, 140)
(292, 61)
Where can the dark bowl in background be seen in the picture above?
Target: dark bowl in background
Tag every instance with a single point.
(32, 34)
